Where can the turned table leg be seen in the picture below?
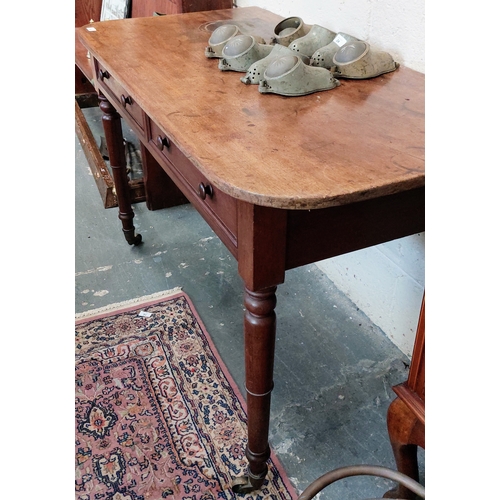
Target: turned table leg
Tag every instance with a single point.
(114, 139)
(260, 335)
(261, 265)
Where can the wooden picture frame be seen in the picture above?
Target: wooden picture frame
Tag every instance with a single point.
(115, 9)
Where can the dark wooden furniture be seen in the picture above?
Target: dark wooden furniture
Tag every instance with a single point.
(406, 415)
(282, 181)
(86, 94)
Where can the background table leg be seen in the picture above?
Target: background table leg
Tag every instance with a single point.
(111, 121)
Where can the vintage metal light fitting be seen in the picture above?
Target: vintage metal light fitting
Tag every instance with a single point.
(289, 29)
(219, 38)
(300, 60)
(255, 72)
(289, 76)
(316, 38)
(241, 51)
(323, 57)
(358, 60)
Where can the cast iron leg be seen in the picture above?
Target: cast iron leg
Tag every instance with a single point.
(260, 334)
(114, 138)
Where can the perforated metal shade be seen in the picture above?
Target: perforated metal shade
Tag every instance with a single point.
(358, 60)
(323, 57)
(241, 51)
(289, 29)
(289, 76)
(219, 38)
(255, 72)
(316, 38)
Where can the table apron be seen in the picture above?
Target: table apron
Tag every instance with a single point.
(314, 235)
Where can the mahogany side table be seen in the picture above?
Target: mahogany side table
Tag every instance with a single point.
(283, 182)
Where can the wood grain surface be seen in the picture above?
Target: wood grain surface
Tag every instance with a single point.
(361, 140)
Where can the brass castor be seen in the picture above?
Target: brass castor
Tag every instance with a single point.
(247, 483)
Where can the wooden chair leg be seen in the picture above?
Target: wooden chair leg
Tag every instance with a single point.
(406, 433)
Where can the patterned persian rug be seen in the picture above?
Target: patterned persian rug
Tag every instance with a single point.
(157, 414)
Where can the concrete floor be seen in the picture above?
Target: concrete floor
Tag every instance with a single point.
(334, 369)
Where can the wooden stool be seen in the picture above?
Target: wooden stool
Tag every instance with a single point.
(406, 415)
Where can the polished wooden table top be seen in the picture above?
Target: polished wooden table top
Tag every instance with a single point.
(361, 140)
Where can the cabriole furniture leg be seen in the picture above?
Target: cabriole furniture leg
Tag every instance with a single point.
(406, 433)
(406, 415)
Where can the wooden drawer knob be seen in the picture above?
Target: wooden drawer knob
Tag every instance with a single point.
(162, 142)
(205, 190)
(125, 100)
(103, 74)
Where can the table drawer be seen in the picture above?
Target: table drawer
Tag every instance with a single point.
(218, 206)
(124, 103)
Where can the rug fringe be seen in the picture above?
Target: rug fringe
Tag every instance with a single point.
(120, 305)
